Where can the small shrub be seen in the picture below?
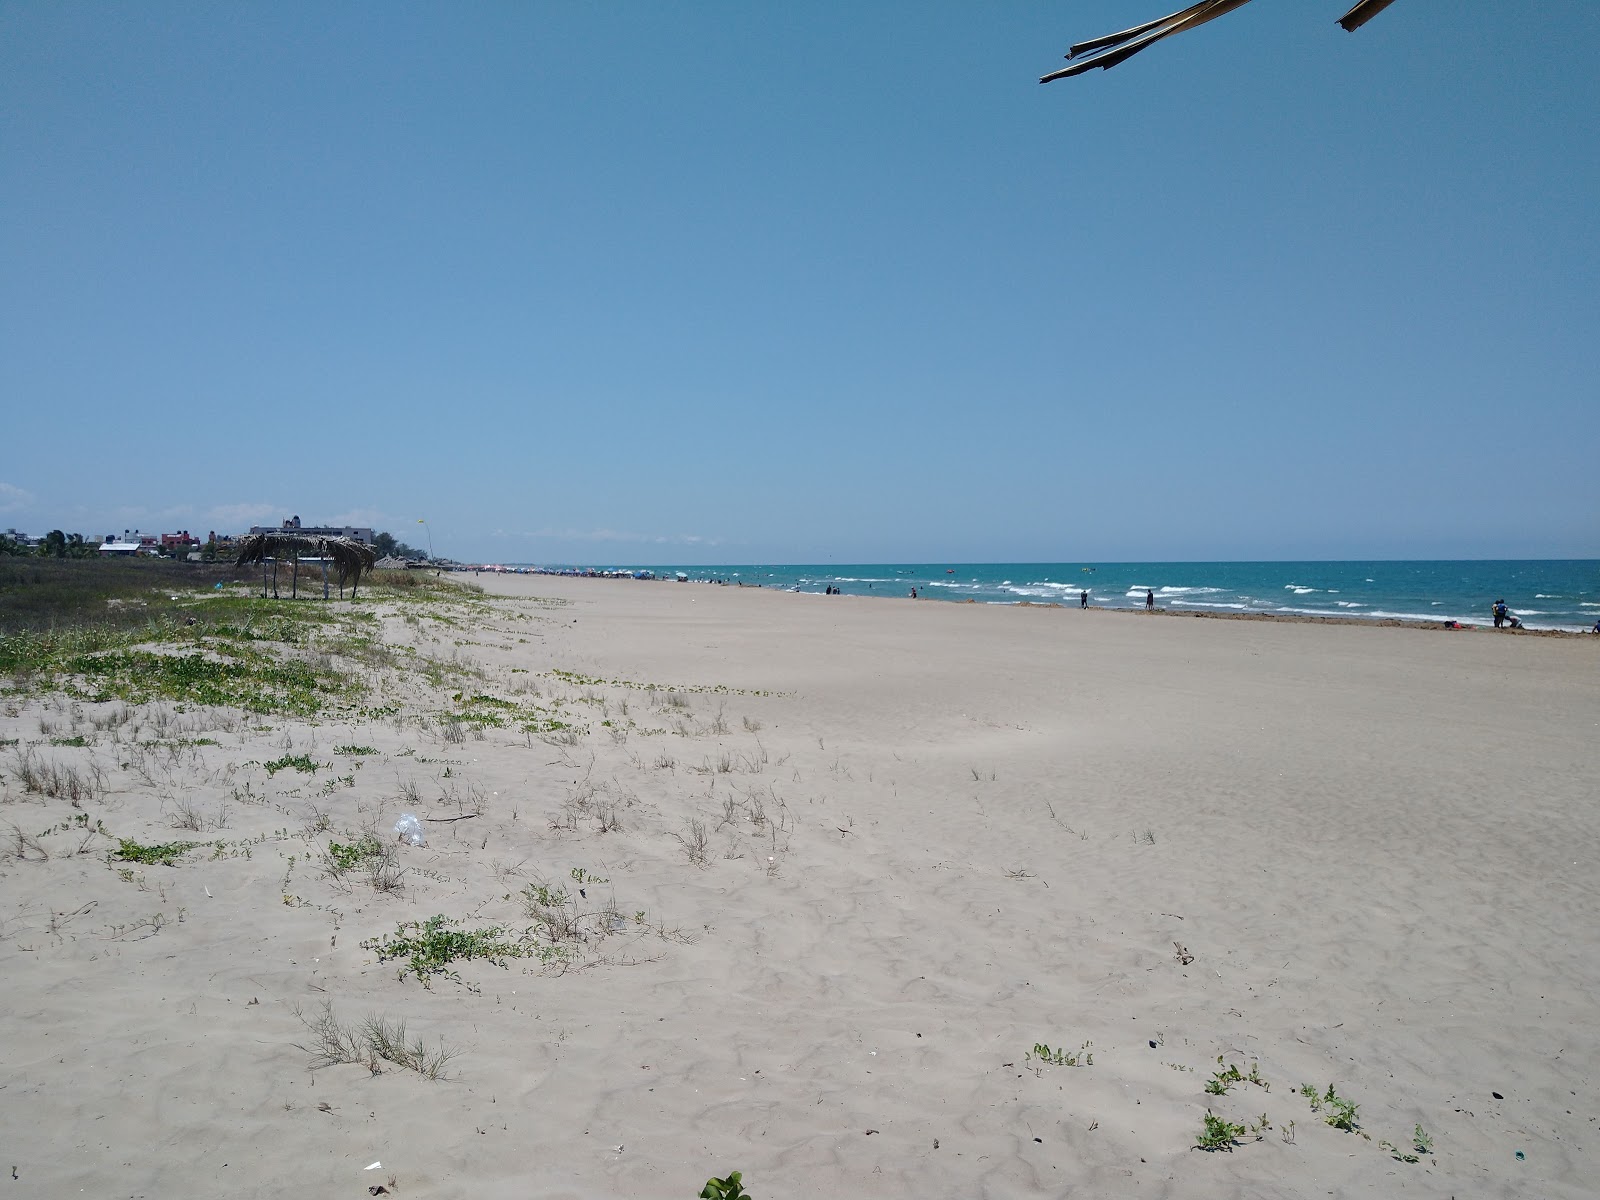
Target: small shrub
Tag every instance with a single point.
(731, 1188)
(1341, 1113)
(384, 872)
(299, 762)
(553, 909)
(341, 858)
(375, 1038)
(1217, 1134)
(429, 947)
(186, 815)
(695, 841)
(1221, 1081)
(165, 855)
(56, 780)
(1082, 1057)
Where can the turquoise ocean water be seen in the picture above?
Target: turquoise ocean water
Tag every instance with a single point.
(1546, 593)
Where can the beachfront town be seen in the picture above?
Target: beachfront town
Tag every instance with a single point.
(182, 545)
(179, 544)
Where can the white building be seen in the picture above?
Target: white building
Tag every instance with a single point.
(358, 533)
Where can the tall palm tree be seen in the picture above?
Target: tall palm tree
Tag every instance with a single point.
(1106, 52)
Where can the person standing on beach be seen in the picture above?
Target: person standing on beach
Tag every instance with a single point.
(1149, 600)
(1083, 600)
(1499, 613)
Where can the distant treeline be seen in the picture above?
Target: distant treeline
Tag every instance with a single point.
(387, 547)
(54, 544)
(57, 544)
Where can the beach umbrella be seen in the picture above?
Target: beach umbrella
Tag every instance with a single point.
(1106, 52)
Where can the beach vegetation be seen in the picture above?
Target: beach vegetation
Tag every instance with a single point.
(59, 781)
(430, 947)
(695, 840)
(480, 711)
(255, 683)
(1223, 1080)
(164, 854)
(347, 856)
(659, 693)
(1396, 1153)
(1218, 1134)
(1081, 1057)
(371, 1041)
(299, 762)
(44, 594)
(1341, 1113)
(25, 847)
(729, 1188)
(186, 814)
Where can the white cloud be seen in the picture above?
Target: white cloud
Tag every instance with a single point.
(610, 535)
(138, 513)
(367, 517)
(236, 518)
(14, 499)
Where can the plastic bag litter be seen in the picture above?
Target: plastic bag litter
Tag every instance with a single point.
(409, 830)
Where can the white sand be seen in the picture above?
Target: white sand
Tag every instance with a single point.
(984, 828)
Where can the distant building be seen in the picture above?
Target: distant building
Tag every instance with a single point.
(20, 538)
(358, 533)
(144, 541)
(178, 541)
(119, 549)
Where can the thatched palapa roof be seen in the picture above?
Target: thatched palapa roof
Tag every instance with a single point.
(350, 556)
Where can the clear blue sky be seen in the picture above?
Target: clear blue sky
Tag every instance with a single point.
(730, 282)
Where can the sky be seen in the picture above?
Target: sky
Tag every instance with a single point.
(639, 283)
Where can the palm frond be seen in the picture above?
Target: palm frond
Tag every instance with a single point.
(1362, 13)
(1106, 52)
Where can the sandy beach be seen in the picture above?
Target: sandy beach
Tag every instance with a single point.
(799, 886)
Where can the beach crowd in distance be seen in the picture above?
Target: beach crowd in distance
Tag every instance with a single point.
(1543, 594)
